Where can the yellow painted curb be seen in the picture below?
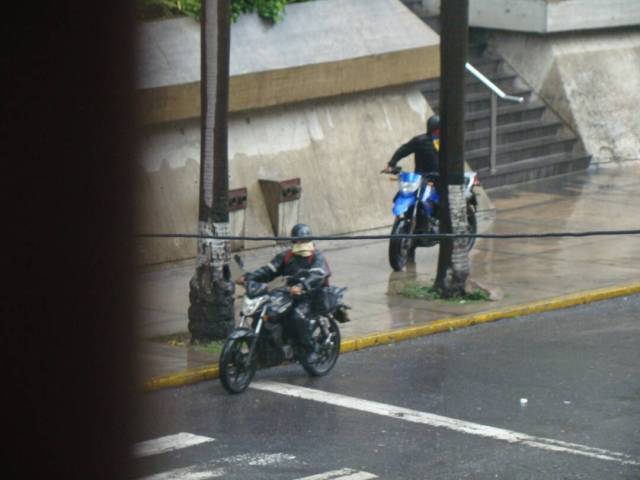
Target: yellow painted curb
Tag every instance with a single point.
(195, 375)
(186, 377)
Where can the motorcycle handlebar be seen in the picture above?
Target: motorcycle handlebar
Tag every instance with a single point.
(397, 170)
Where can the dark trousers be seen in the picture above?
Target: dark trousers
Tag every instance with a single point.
(299, 323)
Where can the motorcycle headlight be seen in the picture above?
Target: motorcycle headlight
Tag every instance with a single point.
(409, 187)
(250, 305)
(409, 182)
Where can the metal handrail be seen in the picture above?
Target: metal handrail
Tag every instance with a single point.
(492, 86)
(495, 93)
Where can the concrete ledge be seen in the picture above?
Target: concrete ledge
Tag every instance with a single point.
(307, 82)
(271, 88)
(188, 377)
(321, 49)
(550, 16)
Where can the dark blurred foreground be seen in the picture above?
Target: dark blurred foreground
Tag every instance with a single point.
(67, 144)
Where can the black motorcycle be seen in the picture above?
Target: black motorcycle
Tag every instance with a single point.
(260, 340)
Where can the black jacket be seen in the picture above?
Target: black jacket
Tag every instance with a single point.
(287, 264)
(425, 154)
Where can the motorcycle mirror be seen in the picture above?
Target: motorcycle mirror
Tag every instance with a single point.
(239, 260)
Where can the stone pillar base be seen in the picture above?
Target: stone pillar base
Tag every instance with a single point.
(211, 311)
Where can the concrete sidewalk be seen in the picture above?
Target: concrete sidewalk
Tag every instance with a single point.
(521, 271)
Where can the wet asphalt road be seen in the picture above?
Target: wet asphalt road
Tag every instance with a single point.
(577, 368)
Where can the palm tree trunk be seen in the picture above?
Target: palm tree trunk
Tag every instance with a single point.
(455, 266)
(453, 260)
(211, 291)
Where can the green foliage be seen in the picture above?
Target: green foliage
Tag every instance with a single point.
(193, 8)
(183, 339)
(213, 348)
(416, 290)
(150, 9)
(271, 10)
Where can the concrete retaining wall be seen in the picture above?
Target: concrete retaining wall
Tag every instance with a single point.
(336, 146)
(591, 80)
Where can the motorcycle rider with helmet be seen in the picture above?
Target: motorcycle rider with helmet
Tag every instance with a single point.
(304, 261)
(425, 148)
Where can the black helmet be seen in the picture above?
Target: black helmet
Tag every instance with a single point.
(433, 123)
(300, 231)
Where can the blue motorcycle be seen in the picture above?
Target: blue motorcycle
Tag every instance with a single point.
(415, 208)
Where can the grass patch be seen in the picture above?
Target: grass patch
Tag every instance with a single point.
(214, 347)
(419, 291)
(183, 339)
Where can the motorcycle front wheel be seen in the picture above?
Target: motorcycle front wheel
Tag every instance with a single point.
(328, 350)
(399, 247)
(236, 368)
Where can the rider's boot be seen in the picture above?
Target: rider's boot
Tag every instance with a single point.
(287, 352)
(312, 357)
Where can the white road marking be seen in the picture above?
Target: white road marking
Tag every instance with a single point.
(344, 474)
(189, 473)
(211, 469)
(168, 444)
(358, 476)
(433, 420)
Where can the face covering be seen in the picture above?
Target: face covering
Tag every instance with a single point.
(303, 249)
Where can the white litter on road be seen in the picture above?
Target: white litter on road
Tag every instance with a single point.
(258, 459)
(433, 420)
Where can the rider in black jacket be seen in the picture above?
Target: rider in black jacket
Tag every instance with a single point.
(306, 262)
(425, 148)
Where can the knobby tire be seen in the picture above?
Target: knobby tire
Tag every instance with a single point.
(399, 248)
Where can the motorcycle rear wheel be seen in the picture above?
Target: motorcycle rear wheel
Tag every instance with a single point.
(328, 353)
(399, 248)
(472, 227)
(236, 369)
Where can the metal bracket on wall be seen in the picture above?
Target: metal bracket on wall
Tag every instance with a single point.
(282, 201)
(237, 200)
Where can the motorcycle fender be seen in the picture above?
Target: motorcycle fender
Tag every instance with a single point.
(402, 204)
(240, 333)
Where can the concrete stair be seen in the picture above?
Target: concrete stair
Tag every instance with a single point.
(532, 142)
